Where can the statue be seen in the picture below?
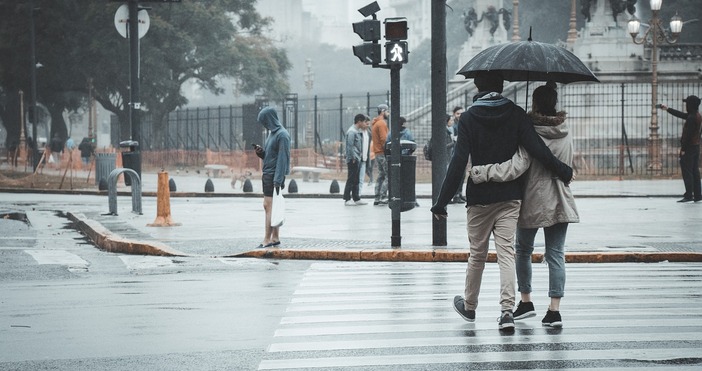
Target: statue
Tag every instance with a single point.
(585, 9)
(619, 6)
(470, 21)
(492, 17)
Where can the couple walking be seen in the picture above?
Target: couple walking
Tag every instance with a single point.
(504, 142)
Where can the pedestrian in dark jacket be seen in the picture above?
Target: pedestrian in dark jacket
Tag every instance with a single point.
(354, 156)
(86, 150)
(490, 132)
(690, 147)
(275, 154)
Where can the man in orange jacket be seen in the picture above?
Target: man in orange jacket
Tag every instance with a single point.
(379, 134)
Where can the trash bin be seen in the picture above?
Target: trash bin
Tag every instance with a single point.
(104, 164)
(131, 158)
(408, 172)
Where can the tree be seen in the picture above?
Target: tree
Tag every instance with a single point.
(201, 41)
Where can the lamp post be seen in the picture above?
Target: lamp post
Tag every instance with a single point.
(308, 77)
(654, 35)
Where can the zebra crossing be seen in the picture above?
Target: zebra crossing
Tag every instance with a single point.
(387, 316)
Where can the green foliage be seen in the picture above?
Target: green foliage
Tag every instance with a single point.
(201, 41)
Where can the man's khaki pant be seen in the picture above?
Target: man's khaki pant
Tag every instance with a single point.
(500, 219)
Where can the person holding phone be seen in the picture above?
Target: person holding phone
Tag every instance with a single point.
(275, 154)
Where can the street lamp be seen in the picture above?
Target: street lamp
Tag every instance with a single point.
(308, 76)
(655, 34)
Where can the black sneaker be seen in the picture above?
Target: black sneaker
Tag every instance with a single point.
(459, 307)
(524, 310)
(506, 321)
(552, 319)
(685, 199)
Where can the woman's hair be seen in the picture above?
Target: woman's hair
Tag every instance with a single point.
(544, 100)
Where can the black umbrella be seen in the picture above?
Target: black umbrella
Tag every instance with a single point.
(529, 61)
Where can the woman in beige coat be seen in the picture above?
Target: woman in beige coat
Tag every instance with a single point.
(548, 203)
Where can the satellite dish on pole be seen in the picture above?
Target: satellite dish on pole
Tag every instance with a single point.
(122, 21)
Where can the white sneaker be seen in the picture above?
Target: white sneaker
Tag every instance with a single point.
(361, 202)
(350, 203)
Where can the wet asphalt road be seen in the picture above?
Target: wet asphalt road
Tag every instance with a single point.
(68, 306)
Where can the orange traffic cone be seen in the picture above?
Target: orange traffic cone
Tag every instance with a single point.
(163, 203)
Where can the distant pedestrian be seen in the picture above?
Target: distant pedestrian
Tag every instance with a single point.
(55, 149)
(13, 152)
(490, 132)
(405, 134)
(86, 150)
(379, 134)
(276, 165)
(365, 154)
(354, 155)
(457, 112)
(548, 203)
(690, 147)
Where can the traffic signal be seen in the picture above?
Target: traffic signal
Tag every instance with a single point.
(369, 31)
(368, 53)
(396, 29)
(396, 52)
(395, 33)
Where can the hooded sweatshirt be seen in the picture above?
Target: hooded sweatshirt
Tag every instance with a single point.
(276, 160)
(490, 131)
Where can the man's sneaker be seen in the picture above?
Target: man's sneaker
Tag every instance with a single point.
(350, 203)
(459, 307)
(506, 321)
(552, 319)
(524, 310)
(380, 203)
(360, 202)
(685, 199)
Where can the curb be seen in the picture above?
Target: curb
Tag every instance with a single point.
(462, 256)
(110, 242)
(106, 240)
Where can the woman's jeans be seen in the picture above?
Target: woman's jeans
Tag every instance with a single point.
(555, 258)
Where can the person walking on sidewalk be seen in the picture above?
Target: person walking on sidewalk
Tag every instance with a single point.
(379, 134)
(354, 155)
(365, 153)
(548, 203)
(690, 147)
(456, 116)
(490, 132)
(276, 165)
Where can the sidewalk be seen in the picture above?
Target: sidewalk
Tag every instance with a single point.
(620, 221)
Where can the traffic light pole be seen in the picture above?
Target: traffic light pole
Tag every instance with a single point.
(395, 155)
(438, 113)
(134, 100)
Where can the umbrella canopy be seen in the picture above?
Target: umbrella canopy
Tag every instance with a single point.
(529, 61)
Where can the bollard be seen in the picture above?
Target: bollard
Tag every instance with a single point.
(171, 185)
(163, 203)
(248, 187)
(102, 184)
(292, 186)
(334, 188)
(209, 186)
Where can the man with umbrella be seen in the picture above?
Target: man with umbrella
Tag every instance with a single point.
(490, 132)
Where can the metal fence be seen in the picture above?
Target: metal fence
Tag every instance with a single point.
(610, 123)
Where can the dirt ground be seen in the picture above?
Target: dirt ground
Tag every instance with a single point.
(47, 179)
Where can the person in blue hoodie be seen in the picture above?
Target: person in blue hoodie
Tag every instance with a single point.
(276, 165)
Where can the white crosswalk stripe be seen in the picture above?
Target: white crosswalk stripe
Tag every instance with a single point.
(364, 315)
(72, 261)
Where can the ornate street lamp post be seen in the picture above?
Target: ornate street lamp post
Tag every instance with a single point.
(654, 35)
